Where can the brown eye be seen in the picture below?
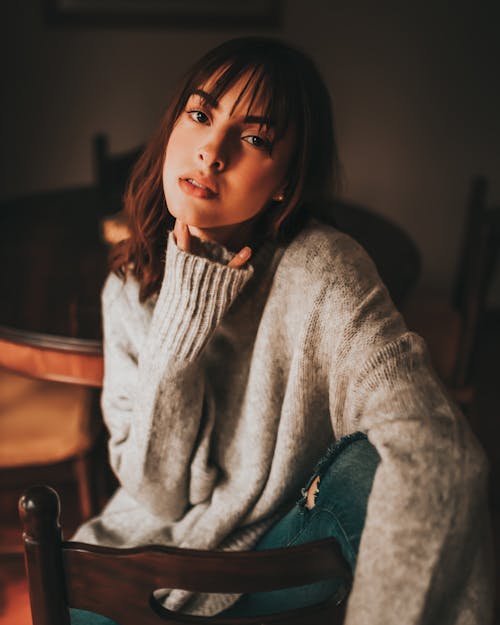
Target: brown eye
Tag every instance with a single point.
(257, 142)
(198, 116)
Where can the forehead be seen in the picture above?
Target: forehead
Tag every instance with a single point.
(246, 94)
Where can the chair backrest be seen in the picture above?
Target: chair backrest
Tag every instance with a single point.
(119, 583)
(111, 173)
(395, 254)
(37, 356)
(475, 267)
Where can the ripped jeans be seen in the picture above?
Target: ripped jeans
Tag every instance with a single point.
(336, 507)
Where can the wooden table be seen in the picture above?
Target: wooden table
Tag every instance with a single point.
(53, 266)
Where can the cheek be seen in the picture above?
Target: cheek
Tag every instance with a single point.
(173, 155)
(175, 148)
(168, 174)
(255, 190)
(165, 168)
(165, 179)
(169, 162)
(263, 180)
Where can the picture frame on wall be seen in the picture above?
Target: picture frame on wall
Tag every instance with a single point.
(164, 13)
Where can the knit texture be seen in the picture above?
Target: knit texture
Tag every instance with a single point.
(222, 393)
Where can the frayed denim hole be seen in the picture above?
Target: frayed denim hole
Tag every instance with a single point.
(333, 451)
(301, 501)
(303, 491)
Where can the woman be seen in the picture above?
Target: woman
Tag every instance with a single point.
(243, 339)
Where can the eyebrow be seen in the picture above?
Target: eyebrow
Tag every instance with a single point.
(207, 97)
(249, 119)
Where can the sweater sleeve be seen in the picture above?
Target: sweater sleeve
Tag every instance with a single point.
(155, 400)
(427, 502)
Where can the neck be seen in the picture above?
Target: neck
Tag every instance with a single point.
(234, 237)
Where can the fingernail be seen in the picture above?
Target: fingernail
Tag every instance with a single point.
(244, 253)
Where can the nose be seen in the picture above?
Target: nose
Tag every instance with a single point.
(213, 154)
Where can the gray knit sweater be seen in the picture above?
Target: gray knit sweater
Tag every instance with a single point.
(222, 393)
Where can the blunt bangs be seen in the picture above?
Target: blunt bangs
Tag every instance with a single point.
(272, 82)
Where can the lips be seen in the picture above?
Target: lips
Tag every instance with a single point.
(197, 187)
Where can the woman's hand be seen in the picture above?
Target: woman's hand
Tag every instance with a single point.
(184, 242)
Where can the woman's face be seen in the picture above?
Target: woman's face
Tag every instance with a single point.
(219, 168)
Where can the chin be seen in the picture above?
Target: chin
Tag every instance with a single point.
(192, 217)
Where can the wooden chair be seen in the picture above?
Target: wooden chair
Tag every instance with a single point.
(111, 175)
(450, 325)
(49, 420)
(119, 583)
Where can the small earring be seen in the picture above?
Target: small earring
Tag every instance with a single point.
(279, 198)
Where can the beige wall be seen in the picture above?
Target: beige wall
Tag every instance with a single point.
(415, 91)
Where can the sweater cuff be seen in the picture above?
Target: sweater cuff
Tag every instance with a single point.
(195, 294)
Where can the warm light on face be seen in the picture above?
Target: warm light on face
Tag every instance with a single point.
(222, 165)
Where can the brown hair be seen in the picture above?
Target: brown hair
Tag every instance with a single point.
(295, 96)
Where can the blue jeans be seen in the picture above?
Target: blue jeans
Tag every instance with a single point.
(346, 476)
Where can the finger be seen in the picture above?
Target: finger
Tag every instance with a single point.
(182, 236)
(240, 259)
